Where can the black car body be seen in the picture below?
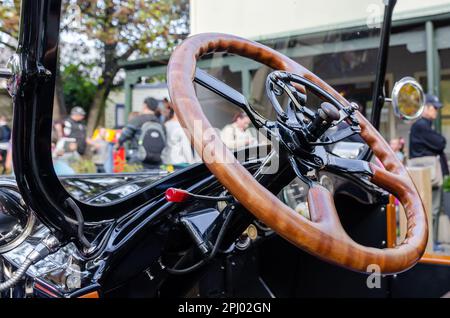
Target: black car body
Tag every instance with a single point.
(137, 237)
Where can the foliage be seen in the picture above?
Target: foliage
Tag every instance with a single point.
(132, 167)
(9, 31)
(83, 166)
(89, 167)
(9, 22)
(9, 28)
(128, 25)
(446, 185)
(104, 32)
(118, 30)
(78, 89)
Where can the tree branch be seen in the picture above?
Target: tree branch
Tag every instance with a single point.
(127, 53)
(6, 32)
(9, 46)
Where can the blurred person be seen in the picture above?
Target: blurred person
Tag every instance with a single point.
(402, 144)
(236, 135)
(99, 146)
(5, 137)
(5, 130)
(398, 147)
(148, 133)
(166, 110)
(178, 150)
(111, 139)
(132, 144)
(64, 154)
(62, 168)
(426, 148)
(57, 131)
(132, 115)
(74, 127)
(8, 160)
(158, 114)
(67, 150)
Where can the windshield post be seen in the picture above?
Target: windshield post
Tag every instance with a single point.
(33, 91)
(382, 59)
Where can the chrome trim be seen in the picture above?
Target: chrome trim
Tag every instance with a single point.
(22, 237)
(10, 184)
(395, 94)
(15, 74)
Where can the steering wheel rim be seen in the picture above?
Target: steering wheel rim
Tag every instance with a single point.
(323, 235)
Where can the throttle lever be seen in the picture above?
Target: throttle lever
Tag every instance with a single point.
(325, 116)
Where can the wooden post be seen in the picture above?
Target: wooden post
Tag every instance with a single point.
(422, 179)
(391, 222)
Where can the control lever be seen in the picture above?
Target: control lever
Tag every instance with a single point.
(325, 116)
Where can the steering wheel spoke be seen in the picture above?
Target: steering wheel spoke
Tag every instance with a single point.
(230, 94)
(337, 136)
(302, 172)
(346, 166)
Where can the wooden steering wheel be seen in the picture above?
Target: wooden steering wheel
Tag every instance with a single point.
(323, 235)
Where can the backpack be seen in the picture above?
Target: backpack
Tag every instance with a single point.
(151, 142)
(5, 133)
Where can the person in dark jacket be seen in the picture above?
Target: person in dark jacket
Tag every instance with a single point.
(425, 141)
(132, 130)
(74, 127)
(5, 137)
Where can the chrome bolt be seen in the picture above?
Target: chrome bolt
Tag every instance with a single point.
(354, 106)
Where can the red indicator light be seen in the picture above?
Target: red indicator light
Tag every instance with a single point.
(176, 195)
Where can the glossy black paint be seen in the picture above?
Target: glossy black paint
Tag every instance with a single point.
(154, 223)
(106, 189)
(422, 281)
(38, 40)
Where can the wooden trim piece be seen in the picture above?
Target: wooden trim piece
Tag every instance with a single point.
(435, 259)
(93, 294)
(391, 222)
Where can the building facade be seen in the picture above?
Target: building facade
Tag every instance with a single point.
(336, 40)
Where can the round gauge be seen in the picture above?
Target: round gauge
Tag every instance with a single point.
(16, 221)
